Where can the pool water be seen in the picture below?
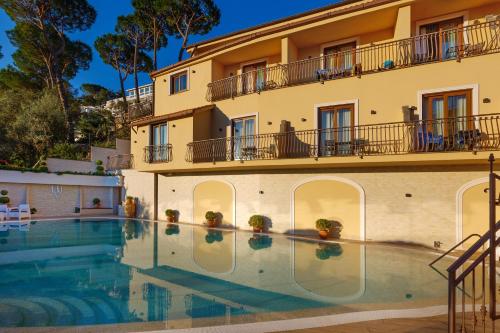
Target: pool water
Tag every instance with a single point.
(88, 272)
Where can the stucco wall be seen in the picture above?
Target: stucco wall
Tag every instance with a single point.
(61, 165)
(141, 186)
(412, 205)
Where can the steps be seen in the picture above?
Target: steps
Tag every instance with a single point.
(64, 310)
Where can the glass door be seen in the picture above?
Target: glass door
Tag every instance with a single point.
(443, 39)
(448, 113)
(244, 138)
(254, 77)
(160, 141)
(340, 59)
(336, 128)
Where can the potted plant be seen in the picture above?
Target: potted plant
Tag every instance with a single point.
(257, 222)
(324, 227)
(258, 242)
(4, 199)
(130, 207)
(96, 202)
(325, 251)
(172, 229)
(211, 218)
(33, 211)
(214, 236)
(170, 213)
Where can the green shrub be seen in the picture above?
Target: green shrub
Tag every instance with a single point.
(98, 162)
(257, 221)
(210, 216)
(96, 201)
(170, 213)
(129, 197)
(4, 192)
(33, 211)
(324, 224)
(67, 151)
(4, 200)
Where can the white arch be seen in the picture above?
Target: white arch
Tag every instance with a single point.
(459, 205)
(362, 210)
(233, 189)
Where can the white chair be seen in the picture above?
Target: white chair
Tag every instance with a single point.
(22, 211)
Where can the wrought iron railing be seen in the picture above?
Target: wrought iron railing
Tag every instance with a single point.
(120, 162)
(472, 277)
(158, 154)
(458, 43)
(140, 110)
(471, 133)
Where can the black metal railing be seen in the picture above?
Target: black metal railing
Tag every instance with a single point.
(120, 162)
(471, 133)
(452, 44)
(158, 154)
(140, 110)
(472, 277)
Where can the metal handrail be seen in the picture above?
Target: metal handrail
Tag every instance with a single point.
(454, 247)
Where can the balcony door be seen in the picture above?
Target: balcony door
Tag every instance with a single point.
(243, 138)
(159, 150)
(340, 58)
(336, 130)
(254, 77)
(448, 113)
(442, 40)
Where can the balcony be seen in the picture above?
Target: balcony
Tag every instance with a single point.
(140, 110)
(120, 162)
(158, 154)
(453, 44)
(459, 134)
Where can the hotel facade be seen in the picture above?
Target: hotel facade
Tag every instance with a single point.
(378, 114)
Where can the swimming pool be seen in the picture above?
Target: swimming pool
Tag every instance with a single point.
(120, 271)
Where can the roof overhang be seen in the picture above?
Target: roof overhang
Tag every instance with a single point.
(172, 116)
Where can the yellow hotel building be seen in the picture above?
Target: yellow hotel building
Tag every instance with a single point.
(378, 114)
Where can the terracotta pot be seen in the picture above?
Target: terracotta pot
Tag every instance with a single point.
(97, 206)
(170, 219)
(129, 208)
(257, 230)
(212, 223)
(323, 234)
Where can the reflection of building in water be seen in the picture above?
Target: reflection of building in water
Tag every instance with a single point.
(214, 250)
(332, 271)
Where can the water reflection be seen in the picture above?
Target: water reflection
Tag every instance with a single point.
(214, 250)
(193, 276)
(259, 242)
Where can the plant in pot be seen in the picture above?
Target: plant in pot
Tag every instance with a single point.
(211, 218)
(324, 227)
(130, 207)
(4, 199)
(257, 222)
(96, 202)
(170, 213)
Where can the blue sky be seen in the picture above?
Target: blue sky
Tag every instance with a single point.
(235, 15)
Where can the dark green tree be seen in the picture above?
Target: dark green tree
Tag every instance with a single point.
(134, 27)
(54, 19)
(96, 126)
(95, 95)
(191, 17)
(12, 78)
(154, 16)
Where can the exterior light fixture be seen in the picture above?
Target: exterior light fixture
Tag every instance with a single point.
(303, 119)
(486, 100)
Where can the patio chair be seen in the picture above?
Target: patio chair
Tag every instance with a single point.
(22, 211)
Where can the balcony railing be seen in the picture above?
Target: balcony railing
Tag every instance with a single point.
(158, 154)
(453, 44)
(120, 162)
(140, 110)
(471, 133)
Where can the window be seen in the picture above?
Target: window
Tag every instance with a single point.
(447, 113)
(243, 132)
(443, 41)
(340, 58)
(336, 129)
(178, 83)
(254, 77)
(159, 150)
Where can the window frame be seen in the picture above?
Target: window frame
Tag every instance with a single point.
(175, 76)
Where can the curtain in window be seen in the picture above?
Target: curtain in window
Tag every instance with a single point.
(327, 136)
(457, 108)
(249, 132)
(437, 116)
(344, 124)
